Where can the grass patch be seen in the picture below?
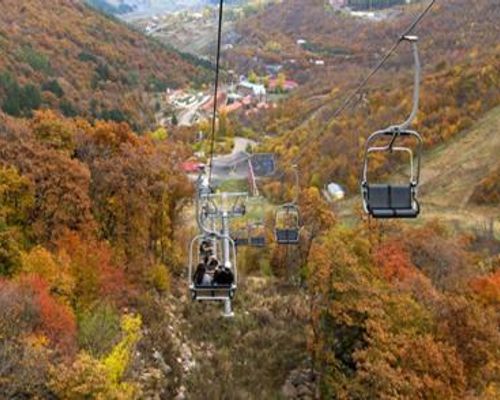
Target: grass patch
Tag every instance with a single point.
(233, 185)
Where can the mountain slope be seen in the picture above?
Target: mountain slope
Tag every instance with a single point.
(70, 57)
(451, 173)
(459, 85)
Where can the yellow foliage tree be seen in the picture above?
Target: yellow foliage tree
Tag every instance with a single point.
(159, 135)
(91, 378)
(39, 261)
(117, 362)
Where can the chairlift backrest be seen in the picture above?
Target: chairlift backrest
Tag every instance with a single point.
(391, 200)
(287, 224)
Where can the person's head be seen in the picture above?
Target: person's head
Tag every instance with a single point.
(212, 263)
(201, 266)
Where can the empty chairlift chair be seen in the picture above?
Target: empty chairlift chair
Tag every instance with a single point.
(287, 225)
(386, 200)
(257, 235)
(241, 237)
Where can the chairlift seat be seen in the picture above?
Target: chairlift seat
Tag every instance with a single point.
(241, 241)
(287, 226)
(212, 292)
(287, 236)
(258, 241)
(213, 286)
(392, 201)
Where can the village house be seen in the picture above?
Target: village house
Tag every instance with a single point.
(288, 85)
(256, 90)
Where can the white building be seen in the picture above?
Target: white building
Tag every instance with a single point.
(256, 90)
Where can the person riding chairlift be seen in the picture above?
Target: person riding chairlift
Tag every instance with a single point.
(223, 276)
(199, 274)
(206, 249)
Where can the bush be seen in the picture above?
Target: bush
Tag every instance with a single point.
(84, 379)
(99, 328)
(39, 261)
(53, 87)
(87, 57)
(53, 131)
(57, 321)
(23, 370)
(19, 100)
(92, 378)
(37, 61)
(159, 277)
(68, 109)
(18, 311)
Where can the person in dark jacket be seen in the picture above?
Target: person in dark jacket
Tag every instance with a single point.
(199, 274)
(223, 276)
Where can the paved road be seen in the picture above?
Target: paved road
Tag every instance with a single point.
(186, 116)
(222, 164)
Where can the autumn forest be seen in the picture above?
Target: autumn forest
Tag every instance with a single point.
(96, 209)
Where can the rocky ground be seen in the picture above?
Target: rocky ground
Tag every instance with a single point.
(259, 354)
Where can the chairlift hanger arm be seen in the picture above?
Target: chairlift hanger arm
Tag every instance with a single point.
(416, 88)
(383, 133)
(199, 221)
(297, 183)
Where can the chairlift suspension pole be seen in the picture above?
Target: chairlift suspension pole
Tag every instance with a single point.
(297, 183)
(228, 308)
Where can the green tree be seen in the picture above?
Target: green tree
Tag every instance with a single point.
(53, 86)
(252, 77)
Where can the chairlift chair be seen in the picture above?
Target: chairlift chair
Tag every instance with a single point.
(257, 235)
(212, 292)
(241, 238)
(287, 224)
(386, 200)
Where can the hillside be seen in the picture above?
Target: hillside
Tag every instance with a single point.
(455, 176)
(72, 58)
(452, 173)
(460, 81)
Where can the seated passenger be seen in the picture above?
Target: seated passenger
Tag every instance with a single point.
(212, 265)
(208, 279)
(206, 249)
(223, 276)
(199, 274)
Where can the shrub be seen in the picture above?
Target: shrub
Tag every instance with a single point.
(18, 311)
(53, 131)
(102, 379)
(57, 321)
(37, 61)
(98, 329)
(39, 261)
(67, 108)
(84, 379)
(23, 370)
(159, 277)
(54, 87)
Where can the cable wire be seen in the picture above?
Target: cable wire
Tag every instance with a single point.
(347, 102)
(216, 89)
